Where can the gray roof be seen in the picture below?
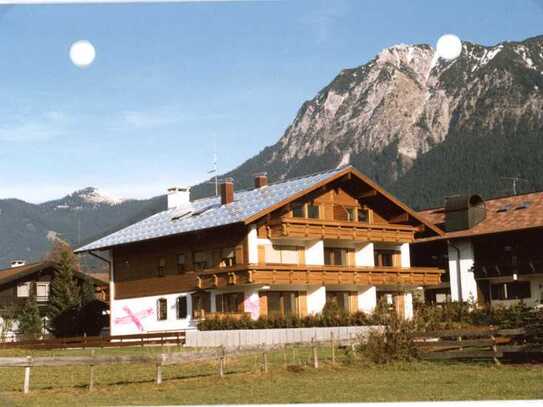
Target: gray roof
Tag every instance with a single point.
(208, 212)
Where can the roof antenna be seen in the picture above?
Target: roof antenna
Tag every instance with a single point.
(214, 169)
(515, 181)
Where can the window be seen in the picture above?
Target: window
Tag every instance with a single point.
(282, 303)
(341, 298)
(162, 309)
(228, 257)
(364, 215)
(161, 266)
(23, 289)
(335, 256)
(282, 254)
(313, 211)
(387, 258)
(201, 260)
(298, 211)
(514, 290)
(181, 307)
(42, 291)
(181, 263)
(229, 302)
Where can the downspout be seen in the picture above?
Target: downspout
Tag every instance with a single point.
(458, 270)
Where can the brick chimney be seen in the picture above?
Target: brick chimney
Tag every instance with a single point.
(227, 191)
(261, 180)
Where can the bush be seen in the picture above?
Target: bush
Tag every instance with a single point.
(325, 319)
(395, 344)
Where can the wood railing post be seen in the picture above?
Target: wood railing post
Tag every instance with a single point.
(26, 384)
(285, 356)
(91, 373)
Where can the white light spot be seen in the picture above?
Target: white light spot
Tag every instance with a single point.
(449, 47)
(82, 53)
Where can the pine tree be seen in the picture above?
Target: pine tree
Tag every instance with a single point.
(87, 292)
(29, 319)
(64, 298)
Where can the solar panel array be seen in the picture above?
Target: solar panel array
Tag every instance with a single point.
(209, 213)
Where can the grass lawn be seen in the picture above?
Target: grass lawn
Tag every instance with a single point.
(244, 383)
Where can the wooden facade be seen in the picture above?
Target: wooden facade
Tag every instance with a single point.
(218, 258)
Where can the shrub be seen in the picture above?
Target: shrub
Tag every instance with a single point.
(394, 344)
(320, 320)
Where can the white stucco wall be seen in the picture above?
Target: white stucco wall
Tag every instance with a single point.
(405, 255)
(364, 255)
(314, 253)
(139, 315)
(536, 291)
(252, 240)
(367, 299)
(408, 305)
(466, 280)
(316, 299)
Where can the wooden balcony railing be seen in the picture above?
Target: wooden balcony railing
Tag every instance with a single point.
(324, 229)
(314, 275)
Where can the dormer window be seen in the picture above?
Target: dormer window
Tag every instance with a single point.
(298, 211)
(313, 211)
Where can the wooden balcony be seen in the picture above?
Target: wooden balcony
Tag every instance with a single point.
(324, 229)
(317, 275)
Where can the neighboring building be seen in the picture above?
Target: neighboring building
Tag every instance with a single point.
(278, 249)
(498, 242)
(21, 280)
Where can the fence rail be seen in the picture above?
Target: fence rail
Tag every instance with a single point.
(158, 338)
(480, 344)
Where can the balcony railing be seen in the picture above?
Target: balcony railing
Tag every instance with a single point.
(314, 275)
(503, 269)
(324, 229)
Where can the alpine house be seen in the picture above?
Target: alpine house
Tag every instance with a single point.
(278, 249)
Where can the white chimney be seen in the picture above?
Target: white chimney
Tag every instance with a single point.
(17, 263)
(178, 196)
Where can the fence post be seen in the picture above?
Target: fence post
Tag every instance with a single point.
(285, 356)
(495, 350)
(91, 374)
(160, 360)
(315, 355)
(221, 362)
(265, 359)
(26, 385)
(333, 344)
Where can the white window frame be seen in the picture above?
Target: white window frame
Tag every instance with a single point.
(23, 286)
(42, 298)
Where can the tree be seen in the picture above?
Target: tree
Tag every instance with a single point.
(29, 319)
(65, 296)
(88, 294)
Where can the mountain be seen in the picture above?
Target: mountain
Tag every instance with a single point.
(420, 126)
(26, 229)
(423, 128)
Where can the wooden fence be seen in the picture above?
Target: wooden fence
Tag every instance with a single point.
(163, 359)
(159, 338)
(480, 344)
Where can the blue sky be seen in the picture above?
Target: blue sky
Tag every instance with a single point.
(171, 81)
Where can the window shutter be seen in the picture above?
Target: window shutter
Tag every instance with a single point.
(302, 303)
(263, 304)
(261, 254)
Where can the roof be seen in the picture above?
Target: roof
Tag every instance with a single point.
(504, 214)
(16, 273)
(247, 207)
